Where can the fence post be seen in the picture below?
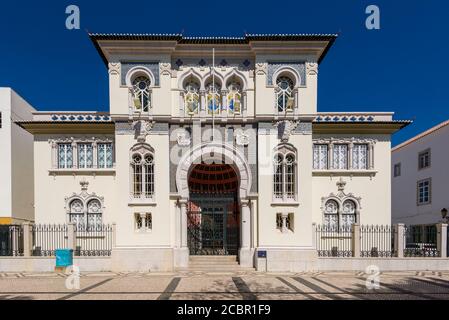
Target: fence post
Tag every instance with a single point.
(314, 235)
(71, 236)
(356, 240)
(399, 244)
(442, 239)
(114, 235)
(27, 245)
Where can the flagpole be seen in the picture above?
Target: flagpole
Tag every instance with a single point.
(213, 94)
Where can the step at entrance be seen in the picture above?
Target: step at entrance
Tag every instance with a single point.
(215, 263)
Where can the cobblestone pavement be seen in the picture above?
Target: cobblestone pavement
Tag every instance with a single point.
(226, 285)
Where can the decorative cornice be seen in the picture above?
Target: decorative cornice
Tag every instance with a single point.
(357, 140)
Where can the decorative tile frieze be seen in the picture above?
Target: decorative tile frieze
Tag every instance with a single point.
(241, 64)
(123, 128)
(304, 128)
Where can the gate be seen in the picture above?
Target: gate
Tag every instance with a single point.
(11, 240)
(213, 227)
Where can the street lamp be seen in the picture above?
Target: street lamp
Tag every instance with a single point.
(444, 213)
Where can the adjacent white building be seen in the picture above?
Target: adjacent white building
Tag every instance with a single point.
(222, 154)
(420, 177)
(16, 160)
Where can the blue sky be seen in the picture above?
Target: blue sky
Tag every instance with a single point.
(403, 67)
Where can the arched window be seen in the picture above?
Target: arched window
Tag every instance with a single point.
(213, 98)
(278, 175)
(284, 94)
(290, 171)
(149, 175)
(331, 214)
(340, 215)
(285, 173)
(76, 213)
(191, 97)
(94, 214)
(142, 165)
(234, 97)
(137, 175)
(141, 93)
(348, 217)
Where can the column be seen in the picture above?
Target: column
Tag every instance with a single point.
(356, 240)
(351, 147)
(296, 105)
(181, 104)
(183, 213)
(331, 155)
(130, 102)
(245, 242)
(114, 235)
(95, 155)
(371, 156)
(442, 239)
(142, 218)
(399, 240)
(27, 245)
(74, 155)
(284, 216)
(243, 107)
(177, 227)
(203, 106)
(54, 154)
(71, 236)
(314, 236)
(224, 107)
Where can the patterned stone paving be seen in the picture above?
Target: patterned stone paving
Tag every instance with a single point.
(247, 285)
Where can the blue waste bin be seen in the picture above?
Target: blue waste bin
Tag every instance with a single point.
(64, 257)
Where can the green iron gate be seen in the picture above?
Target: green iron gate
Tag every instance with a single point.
(213, 226)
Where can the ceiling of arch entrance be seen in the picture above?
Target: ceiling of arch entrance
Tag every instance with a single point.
(213, 178)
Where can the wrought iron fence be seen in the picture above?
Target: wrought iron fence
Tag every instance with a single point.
(46, 238)
(334, 241)
(93, 241)
(377, 241)
(420, 241)
(11, 240)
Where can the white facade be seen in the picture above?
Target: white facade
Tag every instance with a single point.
(260, 102)
(16, 160)
(410, 206)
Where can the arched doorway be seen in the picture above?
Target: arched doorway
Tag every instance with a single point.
(213, 215)
(215, 153)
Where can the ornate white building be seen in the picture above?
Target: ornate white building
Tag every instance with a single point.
(16, 161)
(212, 145)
